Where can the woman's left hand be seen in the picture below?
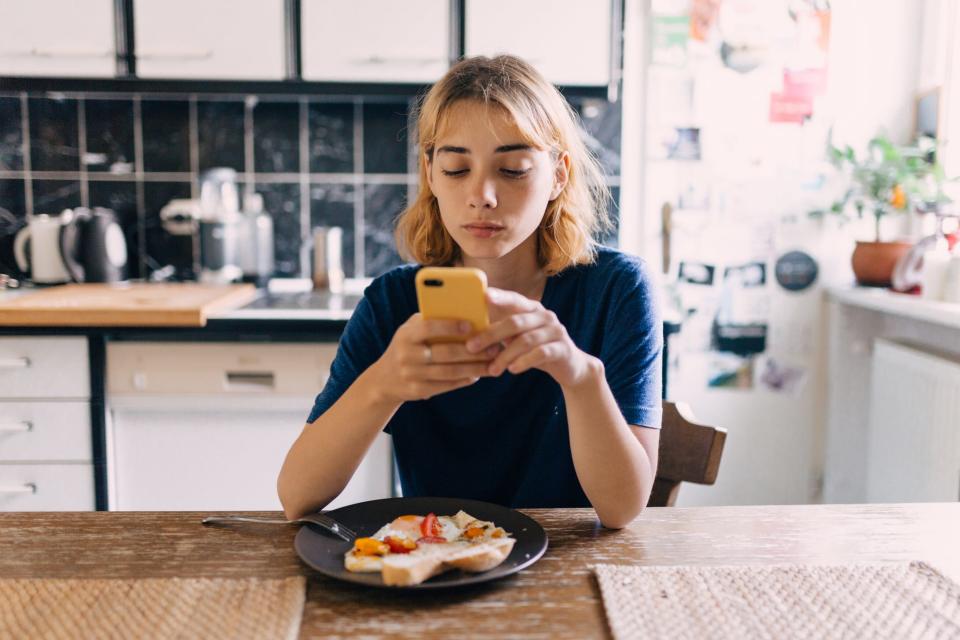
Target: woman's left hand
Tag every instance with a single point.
(533, 339)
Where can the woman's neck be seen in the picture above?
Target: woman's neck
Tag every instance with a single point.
(517, 271)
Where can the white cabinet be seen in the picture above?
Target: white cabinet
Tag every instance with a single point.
(201, 426)
(212, 39)
(914, 445)
(46, 487)
(57, 38)
(44, 367)
(375, 40)
(566, 40)
(46, 454)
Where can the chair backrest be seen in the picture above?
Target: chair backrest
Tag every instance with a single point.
(689, 452)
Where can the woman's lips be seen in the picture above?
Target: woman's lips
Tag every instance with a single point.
(483, 230)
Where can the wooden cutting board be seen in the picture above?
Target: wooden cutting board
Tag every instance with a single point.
(180, 304)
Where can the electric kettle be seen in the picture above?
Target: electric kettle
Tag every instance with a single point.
(93, 246)
(36, 248)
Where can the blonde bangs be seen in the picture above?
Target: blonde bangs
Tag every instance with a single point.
(545, 121)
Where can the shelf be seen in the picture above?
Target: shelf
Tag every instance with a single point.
(898, 304)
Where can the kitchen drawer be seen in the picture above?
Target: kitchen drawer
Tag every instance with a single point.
(45, 432)
(241, 370)
(44, 367)
(46, 487)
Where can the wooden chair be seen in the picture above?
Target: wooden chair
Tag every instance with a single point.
(689, 452)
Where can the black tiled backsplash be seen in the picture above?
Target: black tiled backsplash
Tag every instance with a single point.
(331, 146)
(54, 134)
(384, 138)
(382, 203)
(11, 135)
(167, 146)
(13, 197)
(53, 196)
(110, 145)
(134, 153)
(220, 127)
(276, 137)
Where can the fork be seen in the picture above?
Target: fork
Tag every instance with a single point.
(318, 518)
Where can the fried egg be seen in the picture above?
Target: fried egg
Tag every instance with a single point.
(409, 527)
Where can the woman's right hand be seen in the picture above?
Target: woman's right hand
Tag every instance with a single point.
(412, 369)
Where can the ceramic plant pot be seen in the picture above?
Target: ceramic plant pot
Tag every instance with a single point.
(873, 262)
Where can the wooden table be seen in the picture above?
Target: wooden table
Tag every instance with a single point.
(556, 598)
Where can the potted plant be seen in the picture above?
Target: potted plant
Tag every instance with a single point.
(887, 179)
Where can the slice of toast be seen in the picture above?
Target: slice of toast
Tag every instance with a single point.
(431, 560)
(483, 556)
(405, 569)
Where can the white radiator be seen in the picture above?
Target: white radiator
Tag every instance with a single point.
(914, 446)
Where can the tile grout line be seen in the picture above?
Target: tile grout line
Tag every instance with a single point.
(249, 171)
(194, 135)
(82, 151)
(359, 195)
(182, 176)
(27, 163)
(138, 171)
(304, 141)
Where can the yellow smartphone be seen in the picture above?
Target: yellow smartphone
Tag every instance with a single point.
(453, 293)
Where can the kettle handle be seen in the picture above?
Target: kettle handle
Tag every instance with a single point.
(68, 240)
(19, 249)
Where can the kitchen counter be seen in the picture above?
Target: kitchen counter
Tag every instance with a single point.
(305, 306)
(557, 597)
(898, 304)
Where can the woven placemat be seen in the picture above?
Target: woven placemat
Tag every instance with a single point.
(902, 600)
(151, 608)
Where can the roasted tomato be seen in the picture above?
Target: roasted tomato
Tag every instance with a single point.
(400, 545)
(370, 547)
(473, 532)
(431, 527)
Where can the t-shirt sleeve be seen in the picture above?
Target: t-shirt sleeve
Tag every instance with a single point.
(362, 343)
(632, 348)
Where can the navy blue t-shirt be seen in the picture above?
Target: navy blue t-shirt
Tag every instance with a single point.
(505, 439)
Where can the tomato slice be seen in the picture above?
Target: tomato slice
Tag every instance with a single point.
(431, 540)
(430, 527)
(400, 545)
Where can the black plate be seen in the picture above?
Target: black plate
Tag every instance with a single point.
(324, 552)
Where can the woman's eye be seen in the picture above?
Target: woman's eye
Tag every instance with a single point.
(515, 173)
(459, 172)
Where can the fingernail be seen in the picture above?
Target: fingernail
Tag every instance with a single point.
(493, 370)
(464, 327)
(473, 345)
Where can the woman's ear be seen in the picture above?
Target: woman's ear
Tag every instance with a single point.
(561, 175)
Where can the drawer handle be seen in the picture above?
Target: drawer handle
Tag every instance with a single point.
(16, 427)
(23, 488)
(14, 363)
(250, 380)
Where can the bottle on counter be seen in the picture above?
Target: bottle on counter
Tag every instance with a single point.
(256, 241)
(328, 271)
(935, 265)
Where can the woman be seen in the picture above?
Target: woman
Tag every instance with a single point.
(564, 409)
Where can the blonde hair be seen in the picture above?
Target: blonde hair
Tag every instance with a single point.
(546, 120)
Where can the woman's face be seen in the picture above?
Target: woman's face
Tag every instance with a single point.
(492, 188)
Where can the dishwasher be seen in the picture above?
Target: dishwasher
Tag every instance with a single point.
(206, 426)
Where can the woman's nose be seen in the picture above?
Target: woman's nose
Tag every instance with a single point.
(482, 193)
